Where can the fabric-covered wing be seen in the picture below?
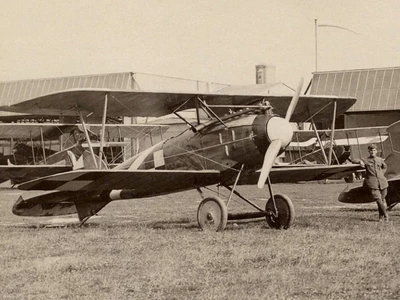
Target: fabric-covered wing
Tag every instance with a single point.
(28, 172)
(131, 131)
(350, 135)
(156, 104)
(304, 173)
(318, 107)
(52, 131)
(34, 130)
(144, 182)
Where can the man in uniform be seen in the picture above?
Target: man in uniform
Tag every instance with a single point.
(375, 180)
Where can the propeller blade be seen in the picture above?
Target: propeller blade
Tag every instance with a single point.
(294, 101)
(269, 158)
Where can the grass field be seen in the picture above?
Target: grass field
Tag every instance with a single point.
(153, 249)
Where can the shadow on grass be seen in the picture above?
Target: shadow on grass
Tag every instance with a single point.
(358, 209)
(334, 222)
(301, 221)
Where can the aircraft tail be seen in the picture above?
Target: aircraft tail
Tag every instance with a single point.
(87, 162)
(77, 156)
(60, 203)
(67, 156)
(393, 163)
(355, 195)
(51, 204)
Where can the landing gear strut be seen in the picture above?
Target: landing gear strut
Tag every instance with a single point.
(212, 213)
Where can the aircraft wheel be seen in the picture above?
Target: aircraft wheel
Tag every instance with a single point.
(212, 214)
(283, 217)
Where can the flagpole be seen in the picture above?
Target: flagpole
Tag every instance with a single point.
(316, 37)
(316, 45)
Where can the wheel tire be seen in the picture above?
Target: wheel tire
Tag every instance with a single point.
(285, 212)
(212, 214)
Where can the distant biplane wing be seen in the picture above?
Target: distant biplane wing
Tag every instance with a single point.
(26, 172)
(34, 131)
(348, 136)
(340, 143)
(130, 131)
(52, 131)
(156, 104)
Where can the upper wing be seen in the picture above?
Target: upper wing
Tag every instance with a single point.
(144, 182)
(304, 173)
(156, 104)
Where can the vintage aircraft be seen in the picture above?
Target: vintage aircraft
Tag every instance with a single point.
(316, 146)
(242, 134)
(29, 161)
(361, 194)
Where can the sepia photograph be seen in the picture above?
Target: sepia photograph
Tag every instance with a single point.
(199, 149)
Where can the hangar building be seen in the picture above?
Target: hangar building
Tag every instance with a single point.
(377, 93)
(376, 90)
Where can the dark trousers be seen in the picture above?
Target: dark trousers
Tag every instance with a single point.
(379, 196)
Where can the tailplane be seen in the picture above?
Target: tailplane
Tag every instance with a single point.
(59, 204)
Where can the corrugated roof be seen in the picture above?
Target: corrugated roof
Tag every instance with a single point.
(375, 89)
(12, 92)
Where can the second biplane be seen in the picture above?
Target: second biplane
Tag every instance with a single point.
(242, 134)
(361, 194)
(32, 146)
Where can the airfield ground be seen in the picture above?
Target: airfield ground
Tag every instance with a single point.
(153, 249)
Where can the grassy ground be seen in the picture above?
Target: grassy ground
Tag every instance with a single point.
(153, 249)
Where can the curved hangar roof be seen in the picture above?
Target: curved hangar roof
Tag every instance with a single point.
(374, 89)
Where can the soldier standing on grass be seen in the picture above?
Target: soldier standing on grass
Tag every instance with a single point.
(375, 180)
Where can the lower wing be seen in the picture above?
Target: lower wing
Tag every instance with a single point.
(292, 174)
(144, 182)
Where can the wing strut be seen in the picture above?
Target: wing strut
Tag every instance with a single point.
(42, 142)
(33, 149)
(103, 129)
(182, 118)
(333, 132)
(205, 106)
(88, 138)
(319, 141)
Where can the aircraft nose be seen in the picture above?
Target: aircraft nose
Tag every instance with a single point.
(278, 128)
(279, 132)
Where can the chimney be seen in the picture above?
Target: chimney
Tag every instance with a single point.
(265, 74)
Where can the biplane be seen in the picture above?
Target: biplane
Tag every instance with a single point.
(242, 134)
(360, 194)
(319, 146)
(33, 151)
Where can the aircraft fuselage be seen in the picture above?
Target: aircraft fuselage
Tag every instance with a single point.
(241, 140)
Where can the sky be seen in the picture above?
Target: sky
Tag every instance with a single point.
(217, 41)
